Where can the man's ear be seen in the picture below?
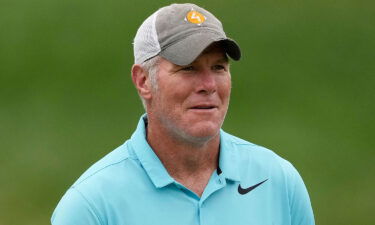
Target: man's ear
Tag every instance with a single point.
(141, 81)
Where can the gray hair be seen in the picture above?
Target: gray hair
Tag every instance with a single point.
(151, 67)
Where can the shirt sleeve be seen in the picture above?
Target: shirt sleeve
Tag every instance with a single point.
(300, 205)
(74, 209)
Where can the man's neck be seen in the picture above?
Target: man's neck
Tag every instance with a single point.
(189, 164)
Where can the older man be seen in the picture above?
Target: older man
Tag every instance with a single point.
(179, 167)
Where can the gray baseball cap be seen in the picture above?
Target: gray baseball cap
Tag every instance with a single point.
(180, 33)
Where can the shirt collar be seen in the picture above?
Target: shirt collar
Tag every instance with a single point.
(228, 159)
(149, 160)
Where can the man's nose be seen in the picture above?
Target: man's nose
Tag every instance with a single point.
(207, 82)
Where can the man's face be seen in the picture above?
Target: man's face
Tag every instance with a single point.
(191, 101)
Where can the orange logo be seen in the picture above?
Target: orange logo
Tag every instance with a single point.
(195, 17)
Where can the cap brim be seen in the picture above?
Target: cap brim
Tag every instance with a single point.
(188, 49)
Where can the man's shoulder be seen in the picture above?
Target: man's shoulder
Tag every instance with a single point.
(236, 140)
(246, 147)
(109, 165)
(105, 179)
(257, 154)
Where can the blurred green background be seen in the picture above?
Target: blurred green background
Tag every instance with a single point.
(304, 88)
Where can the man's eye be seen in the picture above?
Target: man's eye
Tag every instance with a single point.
(219, 67)
(187, 68)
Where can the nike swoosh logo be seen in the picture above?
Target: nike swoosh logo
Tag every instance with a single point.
(244, 191)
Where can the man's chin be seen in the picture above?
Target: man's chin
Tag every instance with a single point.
(202, 135)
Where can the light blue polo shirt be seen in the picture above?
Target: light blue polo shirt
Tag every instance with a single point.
(130, 186)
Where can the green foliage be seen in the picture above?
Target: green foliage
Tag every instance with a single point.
(304, 88)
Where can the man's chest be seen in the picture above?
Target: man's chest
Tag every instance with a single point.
(230, 204)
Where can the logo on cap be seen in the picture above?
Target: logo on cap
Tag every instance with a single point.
(195, 17)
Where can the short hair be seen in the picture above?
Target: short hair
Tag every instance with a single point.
(151, 67)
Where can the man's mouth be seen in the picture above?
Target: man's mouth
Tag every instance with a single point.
(204, 107)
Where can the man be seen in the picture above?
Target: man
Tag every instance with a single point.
(179, 167)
